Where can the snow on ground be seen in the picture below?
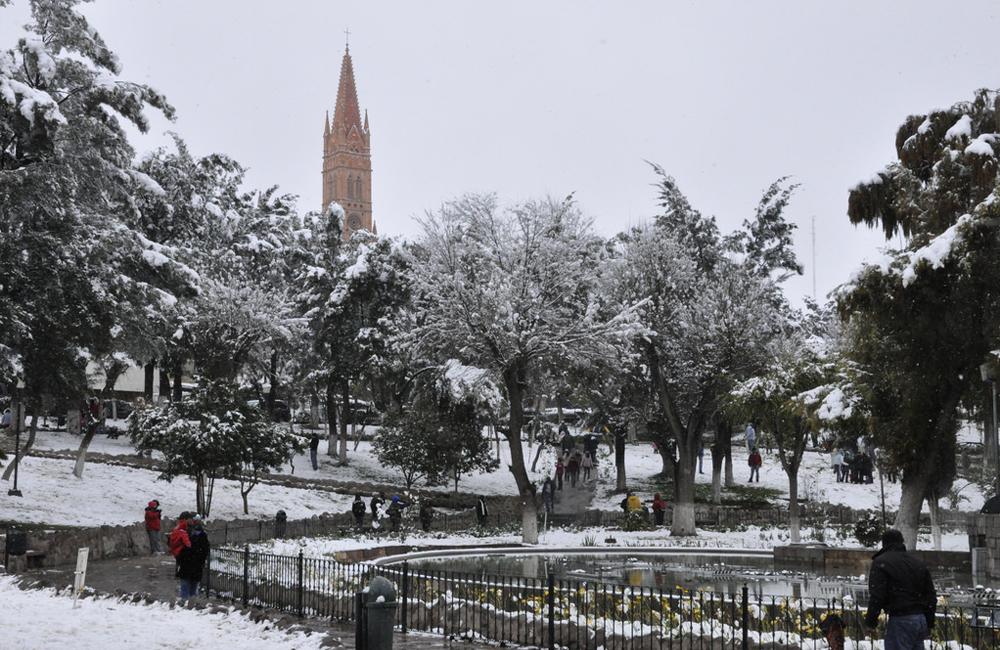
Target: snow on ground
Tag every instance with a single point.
(816, 481)
(753, 537)
(42, 619)
(112, 494)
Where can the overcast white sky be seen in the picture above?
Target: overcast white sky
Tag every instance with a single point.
(529, 98)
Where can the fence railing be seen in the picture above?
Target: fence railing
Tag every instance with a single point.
(571, 613)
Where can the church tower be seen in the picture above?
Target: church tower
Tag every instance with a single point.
(347, 156)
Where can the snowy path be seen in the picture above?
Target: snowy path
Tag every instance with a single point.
(110, 494)
(41, 619)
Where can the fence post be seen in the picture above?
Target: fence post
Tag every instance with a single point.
(552, 610)
(298, 596)
(405, 589)
(246, 573)
(745, 614)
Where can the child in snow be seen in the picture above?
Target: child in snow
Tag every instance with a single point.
(153, 518)
(755, 461)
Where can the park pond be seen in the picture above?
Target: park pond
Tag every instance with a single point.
(706, 573)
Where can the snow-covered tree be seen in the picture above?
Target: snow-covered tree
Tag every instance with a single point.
(506, 289)
(923, 319)
(213, 434)
(75, 276)
(350, 296)
(708, 315)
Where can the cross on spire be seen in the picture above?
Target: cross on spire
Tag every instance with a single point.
(347, 38)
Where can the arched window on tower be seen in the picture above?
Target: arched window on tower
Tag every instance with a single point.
(350, 187)
(357, 189)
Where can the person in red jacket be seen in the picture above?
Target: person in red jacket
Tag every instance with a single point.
(180, 547)
(755, 461)
(153, 516)
(659, 507)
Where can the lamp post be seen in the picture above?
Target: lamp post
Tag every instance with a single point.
(988, 371)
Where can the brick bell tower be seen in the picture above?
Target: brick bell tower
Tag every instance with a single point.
(347, 156)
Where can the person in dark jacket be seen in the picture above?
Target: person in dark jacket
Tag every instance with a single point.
(193, 564)
(755, 461)
(900, 585)
(395, 512)
(482, 512)
(426, 516)
(358, 510)
(659, 509)
(314, 450)
(153, 524)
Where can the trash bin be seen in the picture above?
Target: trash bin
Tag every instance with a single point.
(380, 615)
(17, 542)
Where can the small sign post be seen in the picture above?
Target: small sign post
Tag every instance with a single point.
(80, 575)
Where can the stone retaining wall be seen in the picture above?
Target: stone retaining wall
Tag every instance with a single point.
(857, 561)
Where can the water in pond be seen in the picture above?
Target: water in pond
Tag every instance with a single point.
(688, 571)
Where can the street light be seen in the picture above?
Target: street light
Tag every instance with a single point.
(988, 371)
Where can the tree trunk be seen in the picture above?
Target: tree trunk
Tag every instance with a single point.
(717, 462)
(245, 495)
(331, 418)
(933, 504)
(620, 461)
(164, 384)
(910, 501)
(150, 377)
(726, 439)
(32, 428)
(313, 410)
(525, 488)
(682, 523)
(538, 454)
(81, 454)
(199, 492)
(178, 392)
(794, 518)
(272, 380)
(345, 413)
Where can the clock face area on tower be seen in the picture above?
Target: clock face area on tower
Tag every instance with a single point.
(354, 221)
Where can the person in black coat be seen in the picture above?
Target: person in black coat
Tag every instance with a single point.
(314, 450)
(482, 512)
(901, 585)
(191, 562)
(358, 510)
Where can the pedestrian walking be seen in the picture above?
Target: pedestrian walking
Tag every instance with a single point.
(659, 509)
(197, 554)
(701, 456)
(751, 437)
(548, 494)
(755, 461)
(901, 585)
(573, 469)
(482, 512)
(358, 510)
(837, 461)
(426, 515)
(314, 450)
(588, 466)
(179, 544)
(153, 518)
(560, 470)
(376, 507)
(395, 512)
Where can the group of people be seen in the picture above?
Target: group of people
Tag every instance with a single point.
(394, 512)
(632, 503)
(188, 544)
(851, 467)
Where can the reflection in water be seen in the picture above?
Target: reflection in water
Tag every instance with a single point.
(695, 572)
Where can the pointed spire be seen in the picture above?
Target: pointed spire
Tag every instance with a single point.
(347, 114)
(366, 120)
(326, 124)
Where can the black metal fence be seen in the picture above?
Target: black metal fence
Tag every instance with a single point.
(571, 613)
